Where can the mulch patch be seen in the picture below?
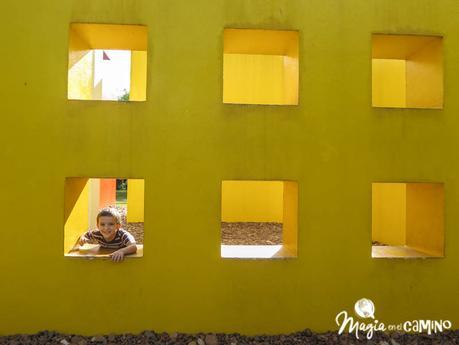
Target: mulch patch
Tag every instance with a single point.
(305, 337)
(136, 229)
(251, 233)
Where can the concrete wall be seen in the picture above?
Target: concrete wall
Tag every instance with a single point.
(184, 141)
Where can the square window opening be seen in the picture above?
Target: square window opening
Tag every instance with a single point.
(107, 62)
(259, 219)
(260, 67)
(407, 71)
(85, 197)
(407, 220)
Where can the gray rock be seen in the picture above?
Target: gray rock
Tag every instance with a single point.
(201, 342)
(149, 334)
(99, 339)
(64, 342)
(393, 342)
(192, 343)
(211, 339)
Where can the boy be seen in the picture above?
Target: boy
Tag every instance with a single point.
(109, 235)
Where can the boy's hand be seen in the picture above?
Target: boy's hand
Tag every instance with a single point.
(117, 256)
(82, 240)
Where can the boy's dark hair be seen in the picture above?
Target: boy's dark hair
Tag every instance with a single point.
(109, 212)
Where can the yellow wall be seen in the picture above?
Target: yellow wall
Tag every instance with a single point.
(253, 79)
(93, 204)
(389, 83)
(109, 36)
(135, 200)
(183, 141)
(80, 68)
(425, 217)
(76, 210)
(425, 76)
(407, 71)
(252, 201)
(138, 76)
(388, 217)
(260, 67)
(84, 38)
(290, 217)
(410, 214)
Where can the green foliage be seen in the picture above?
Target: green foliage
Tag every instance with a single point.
(124, 97)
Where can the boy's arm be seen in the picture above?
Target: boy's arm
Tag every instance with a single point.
(120, 253)
(84, 238)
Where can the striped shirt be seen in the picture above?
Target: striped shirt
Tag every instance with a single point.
(122, 239)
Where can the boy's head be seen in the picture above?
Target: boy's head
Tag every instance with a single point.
(108, 222)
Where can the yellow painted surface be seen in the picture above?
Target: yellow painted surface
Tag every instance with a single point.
(84, 38)
(252, 201)
(260, 67)
(253, 79)
(290, 217)
(398, 46)
(265, 42)
(78, 47)
(109, 36)
(389, 213)
(397, 252)
(138, 90)
(389, 83)
(407, 71)
(411, 215)
(425, 217)
(425, 76)
(76, 210)
(93, 203)
(81, 77)
(135, 200)
(184, 142)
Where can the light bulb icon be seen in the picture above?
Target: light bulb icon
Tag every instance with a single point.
(365, 308)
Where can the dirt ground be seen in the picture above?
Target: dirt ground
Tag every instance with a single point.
(235, 233)
(247, 233)
(136, 229)
(305, 337)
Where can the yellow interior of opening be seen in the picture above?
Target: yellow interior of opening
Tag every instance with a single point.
(407, 71)
(260, 67)
(85, 38)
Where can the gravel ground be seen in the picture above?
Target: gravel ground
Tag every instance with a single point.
(304, 338)
(248, 233)
(136, 229)
(238, 233)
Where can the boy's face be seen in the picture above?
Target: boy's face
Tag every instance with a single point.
(108, 227)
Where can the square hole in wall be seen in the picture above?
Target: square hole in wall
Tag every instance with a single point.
(107, 62)
(407, 71)
(407, 220)
(259, 219)
(260, 67)
(85, 197)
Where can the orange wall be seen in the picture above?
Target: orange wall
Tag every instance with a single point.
(107, 192)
